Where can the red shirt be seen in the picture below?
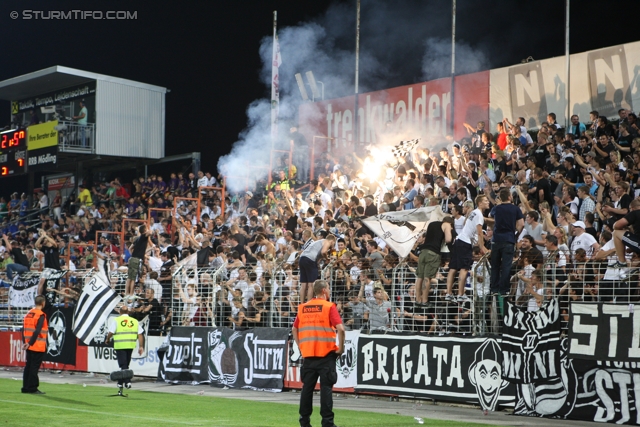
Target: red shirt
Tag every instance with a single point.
(502, 141)
(334, 317)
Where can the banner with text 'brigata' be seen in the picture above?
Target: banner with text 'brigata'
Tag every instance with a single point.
(443, 368)
(254, 358)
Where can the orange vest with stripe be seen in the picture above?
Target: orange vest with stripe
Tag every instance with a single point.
(316, 336)
(29, 327)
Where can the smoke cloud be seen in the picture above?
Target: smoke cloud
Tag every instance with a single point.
(401, 43)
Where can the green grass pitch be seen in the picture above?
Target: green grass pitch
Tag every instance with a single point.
(69, 405)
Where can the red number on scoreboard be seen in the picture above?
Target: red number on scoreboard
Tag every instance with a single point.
(20, 162)
(4, 171)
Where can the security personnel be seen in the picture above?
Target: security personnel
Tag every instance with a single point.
(34, 340)
(125, 330)
(314, 331)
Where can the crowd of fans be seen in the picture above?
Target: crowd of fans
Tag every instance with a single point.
(576, 188)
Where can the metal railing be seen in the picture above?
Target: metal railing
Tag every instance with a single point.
(73, 137)
(269, 293)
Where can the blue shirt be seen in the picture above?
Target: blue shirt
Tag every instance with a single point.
(505, 215)
(409, 195)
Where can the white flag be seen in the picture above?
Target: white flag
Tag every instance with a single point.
(401, 229)
(95, 304)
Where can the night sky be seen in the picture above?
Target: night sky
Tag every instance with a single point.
(207, 52)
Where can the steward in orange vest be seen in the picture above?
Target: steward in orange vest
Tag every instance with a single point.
(314, 330)
(34, 337)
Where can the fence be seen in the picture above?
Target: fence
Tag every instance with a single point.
(268, 293)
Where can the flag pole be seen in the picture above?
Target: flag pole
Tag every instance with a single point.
(275, 92)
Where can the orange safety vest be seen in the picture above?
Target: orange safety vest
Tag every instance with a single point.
(316, 336)
(29, 327)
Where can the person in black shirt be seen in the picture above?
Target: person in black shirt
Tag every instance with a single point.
(138, 250)
(429, 245)
(151, 307)
(20, 261)
(48, 245)
(370, 209)
(623, 238)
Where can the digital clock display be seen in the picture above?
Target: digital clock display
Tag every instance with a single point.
(13, 152)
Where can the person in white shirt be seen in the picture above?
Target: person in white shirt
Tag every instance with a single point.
(583, 240)
(462, 254)
(202, 181)
(211, 181)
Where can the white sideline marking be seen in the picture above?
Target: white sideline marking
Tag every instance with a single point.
(191, 423)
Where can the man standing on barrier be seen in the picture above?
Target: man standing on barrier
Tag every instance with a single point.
(309, 264)
(34, 338)
(125, 330)
(314, 331)
(508, 219)
(138, 250)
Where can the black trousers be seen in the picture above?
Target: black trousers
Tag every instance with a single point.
(325, 369)
(30, 380)
(124, 358)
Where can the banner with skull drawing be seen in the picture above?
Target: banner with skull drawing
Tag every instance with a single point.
(253, 359)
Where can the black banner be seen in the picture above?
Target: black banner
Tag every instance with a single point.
(604, 332)
(255, 358)
(61, 345)
(442, 368)
(185, 360)
(43, 159)
(607, 392)
(531, 343)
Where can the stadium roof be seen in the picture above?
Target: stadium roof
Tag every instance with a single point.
(55, 78)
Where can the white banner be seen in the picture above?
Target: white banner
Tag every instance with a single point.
(401, 229)
(104, 360)
(22, 292)
(347, 364)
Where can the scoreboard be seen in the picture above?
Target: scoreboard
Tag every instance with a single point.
(13, 152)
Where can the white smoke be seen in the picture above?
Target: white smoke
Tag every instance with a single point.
(436, 61)
(397, 48)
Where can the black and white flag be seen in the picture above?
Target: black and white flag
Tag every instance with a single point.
(531, 343)
(96, 302)
(405, 147)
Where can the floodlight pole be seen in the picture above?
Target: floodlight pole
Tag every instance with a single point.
(356, 130)
(453, 64)
(567, 59)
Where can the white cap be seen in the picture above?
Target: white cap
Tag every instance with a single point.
(579, 224)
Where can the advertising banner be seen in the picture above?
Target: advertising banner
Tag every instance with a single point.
(104, 360)
(43, 135)
(12, 354)
(43, 159)
(61, 96)
(604, 332)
